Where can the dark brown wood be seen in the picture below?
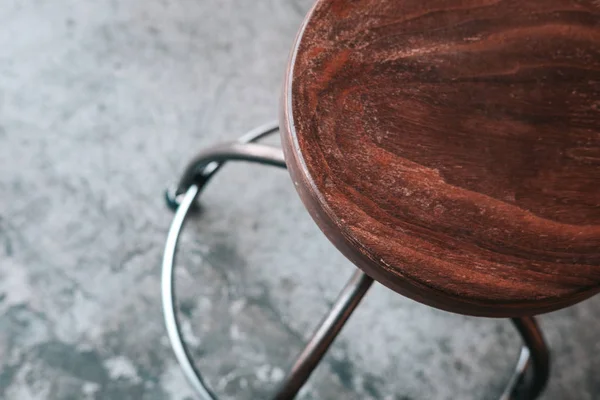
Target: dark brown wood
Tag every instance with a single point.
(451, 149)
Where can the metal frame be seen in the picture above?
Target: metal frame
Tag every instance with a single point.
(532, 369)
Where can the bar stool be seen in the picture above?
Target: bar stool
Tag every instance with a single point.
(450, 149)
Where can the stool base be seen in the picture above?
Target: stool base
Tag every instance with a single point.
(532, 369)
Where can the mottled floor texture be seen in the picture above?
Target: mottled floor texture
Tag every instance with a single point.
(101, 104)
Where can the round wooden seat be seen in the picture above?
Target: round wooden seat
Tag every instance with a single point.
(451, 149)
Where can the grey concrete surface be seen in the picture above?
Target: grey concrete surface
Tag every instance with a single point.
(101, 104)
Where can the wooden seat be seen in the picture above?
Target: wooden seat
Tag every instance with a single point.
(451, 149)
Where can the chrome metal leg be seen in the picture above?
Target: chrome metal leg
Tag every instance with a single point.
(527, 382)
(533, 368)
(330, 327)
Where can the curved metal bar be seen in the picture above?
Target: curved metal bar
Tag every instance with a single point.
(260, 132)
(250, 137)
(538, 356)
(234, 151)
(178, 345)
(534, 355)
(202, 174)
(513, 388)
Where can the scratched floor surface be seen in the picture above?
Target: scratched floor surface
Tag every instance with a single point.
(101, 104)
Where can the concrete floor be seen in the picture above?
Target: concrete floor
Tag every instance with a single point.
(101, 105)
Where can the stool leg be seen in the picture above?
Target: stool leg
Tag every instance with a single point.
(532, 370)
(325, 334)
(534, 358)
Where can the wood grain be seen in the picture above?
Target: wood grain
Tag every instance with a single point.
(451, 149)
